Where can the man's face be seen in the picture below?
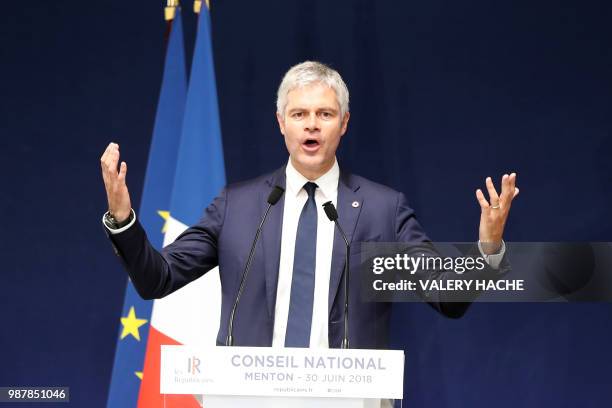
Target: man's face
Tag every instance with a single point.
(312, 128)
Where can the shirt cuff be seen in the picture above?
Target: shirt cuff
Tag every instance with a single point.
(494, 260)
(114, 231)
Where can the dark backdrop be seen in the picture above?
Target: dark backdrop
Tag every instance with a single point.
(443, 93)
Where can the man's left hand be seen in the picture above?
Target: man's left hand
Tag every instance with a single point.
(494, 212)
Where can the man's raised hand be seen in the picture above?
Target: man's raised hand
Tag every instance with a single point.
(494, 212)
(117, 193)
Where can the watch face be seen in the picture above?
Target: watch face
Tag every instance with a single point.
(111, 221)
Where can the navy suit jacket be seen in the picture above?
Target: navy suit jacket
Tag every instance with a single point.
(224, 236)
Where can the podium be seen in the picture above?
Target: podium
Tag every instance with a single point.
(254, 377)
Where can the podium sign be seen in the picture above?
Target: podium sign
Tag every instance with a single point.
(282, 372)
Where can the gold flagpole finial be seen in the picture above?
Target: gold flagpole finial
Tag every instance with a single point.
(170, 9)
(197, 5)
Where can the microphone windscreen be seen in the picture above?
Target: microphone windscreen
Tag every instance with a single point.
(330, 211)
(275, 195)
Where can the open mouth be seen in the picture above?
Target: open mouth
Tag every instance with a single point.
(311, 145)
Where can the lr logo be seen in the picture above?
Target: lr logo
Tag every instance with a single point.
(193, 365)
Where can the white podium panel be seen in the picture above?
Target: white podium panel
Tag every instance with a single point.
(270, 377)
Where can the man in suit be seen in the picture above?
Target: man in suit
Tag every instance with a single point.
(293, 295)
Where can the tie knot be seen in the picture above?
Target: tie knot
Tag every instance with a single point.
(310, 189)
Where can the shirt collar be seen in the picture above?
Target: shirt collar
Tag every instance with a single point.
(328, 182)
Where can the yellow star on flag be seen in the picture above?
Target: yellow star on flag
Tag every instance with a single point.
(131, 324)
(166, 216)
(138, 374)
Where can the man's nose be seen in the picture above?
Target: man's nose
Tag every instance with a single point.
(312, 123)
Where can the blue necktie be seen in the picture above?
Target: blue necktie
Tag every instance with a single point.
(303, 279)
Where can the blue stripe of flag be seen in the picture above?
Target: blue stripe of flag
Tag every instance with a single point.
(200, 171)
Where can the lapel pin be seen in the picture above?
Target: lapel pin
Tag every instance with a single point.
(355, 204)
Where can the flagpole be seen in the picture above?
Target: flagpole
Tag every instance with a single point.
(170, 9)
(169, 14)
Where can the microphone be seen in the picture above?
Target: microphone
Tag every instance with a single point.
(275, 195)
(332, 215)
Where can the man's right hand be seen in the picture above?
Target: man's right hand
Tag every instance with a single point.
(117, 193)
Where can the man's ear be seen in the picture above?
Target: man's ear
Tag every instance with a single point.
(344, 124)
(281, 123)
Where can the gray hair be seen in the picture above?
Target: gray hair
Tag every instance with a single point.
(307, 73)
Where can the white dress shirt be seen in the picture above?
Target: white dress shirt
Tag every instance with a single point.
(295, 198)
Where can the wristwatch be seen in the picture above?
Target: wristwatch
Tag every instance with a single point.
(112, 222)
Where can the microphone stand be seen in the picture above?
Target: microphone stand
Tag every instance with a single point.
(273, 198)
(332, 214)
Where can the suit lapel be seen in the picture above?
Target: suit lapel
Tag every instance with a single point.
(348, 214)
(271, 238)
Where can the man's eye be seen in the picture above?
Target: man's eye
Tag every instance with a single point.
(326, 115)
(297, 115)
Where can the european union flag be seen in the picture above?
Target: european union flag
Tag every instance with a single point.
(131, 345)
(191, 314)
